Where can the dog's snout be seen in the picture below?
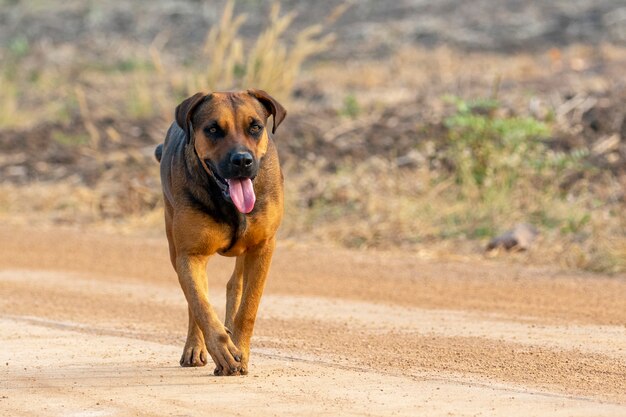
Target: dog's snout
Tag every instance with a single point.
(242, 160)
(239, 163)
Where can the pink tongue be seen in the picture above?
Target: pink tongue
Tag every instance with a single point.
(242, 194)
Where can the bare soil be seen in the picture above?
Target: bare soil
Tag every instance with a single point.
(93, 325)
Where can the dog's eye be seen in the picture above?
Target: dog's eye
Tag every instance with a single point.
(213, 131)
(255, 129)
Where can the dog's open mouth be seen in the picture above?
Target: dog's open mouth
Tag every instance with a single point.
(239, 191)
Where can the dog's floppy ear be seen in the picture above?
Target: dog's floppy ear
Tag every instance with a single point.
(184, 112)
(272, 106)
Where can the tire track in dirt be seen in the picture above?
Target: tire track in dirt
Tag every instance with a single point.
(373, 317)
(78, 375)
(365, 335)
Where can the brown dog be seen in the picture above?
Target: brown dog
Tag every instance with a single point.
(223, 193)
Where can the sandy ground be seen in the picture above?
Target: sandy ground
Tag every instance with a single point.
(93, 325)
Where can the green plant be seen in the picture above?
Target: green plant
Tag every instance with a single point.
(70, 139)
(140, 102)
(351, 107)
(19, 46)
(491, 150)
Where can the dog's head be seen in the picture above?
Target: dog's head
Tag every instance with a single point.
(228, 132)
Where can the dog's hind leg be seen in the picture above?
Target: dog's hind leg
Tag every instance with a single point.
(233, 293)
(158, 152)
(195, 352)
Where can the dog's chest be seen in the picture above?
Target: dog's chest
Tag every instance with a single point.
(245, 235)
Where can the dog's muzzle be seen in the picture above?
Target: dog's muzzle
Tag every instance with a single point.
(235, 176)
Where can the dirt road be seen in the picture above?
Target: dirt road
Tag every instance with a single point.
(93, 325)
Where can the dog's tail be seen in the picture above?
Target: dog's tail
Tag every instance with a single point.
(158, 152)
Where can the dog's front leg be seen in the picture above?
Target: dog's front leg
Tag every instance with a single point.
(256, 267)
(191, 271)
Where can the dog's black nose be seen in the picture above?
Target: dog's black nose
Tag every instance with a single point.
(242, 159)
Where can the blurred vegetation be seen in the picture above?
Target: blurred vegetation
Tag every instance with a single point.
(491, 151)
(149, 84)
(269, 64)
(502, 171)
(367, 164)
(351, 107)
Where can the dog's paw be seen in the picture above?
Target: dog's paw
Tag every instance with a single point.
(194, 355)
(219, 371)
(225, 354)
(242, 369)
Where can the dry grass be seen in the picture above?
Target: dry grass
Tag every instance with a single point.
(43, 90)
(270, 64)
(72, 204)
(8, 103)
(372, 205)
(377, 205)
